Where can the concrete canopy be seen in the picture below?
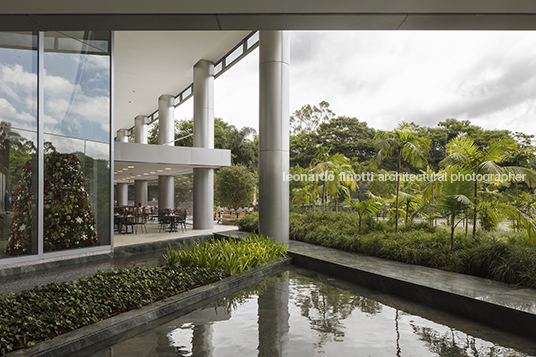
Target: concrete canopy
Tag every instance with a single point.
(147, 162)
(151, 63)
(267, 15)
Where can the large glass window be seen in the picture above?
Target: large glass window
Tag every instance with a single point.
(77, 193)
(18, 143)
(77, 84)
(75, 118)
(77, 136)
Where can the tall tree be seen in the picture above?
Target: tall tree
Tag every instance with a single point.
(234, 187)
(308, 118)
(404, 144)
(335, 176)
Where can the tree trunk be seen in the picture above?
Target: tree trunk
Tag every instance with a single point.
(466, 222)
(475, 210)
(397, 188)
(452, 227)
(324, 198)
(452, 238)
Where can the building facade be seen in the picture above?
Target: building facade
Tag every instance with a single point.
(55, 134)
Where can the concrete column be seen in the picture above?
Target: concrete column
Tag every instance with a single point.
(140, 135)
(140, 192)
(203, 137)
(274, 67)
(122, 136)
(140, 129)
(166, 120)
(166, 192)
(122, 194)
(122, 188)
(166, 135)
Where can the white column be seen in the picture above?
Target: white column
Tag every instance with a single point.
(166, 135)
(274, 67)
(122, 194)
(122, 188)
(166, 120)
(140, 129)
(140, 135)
(122, 136)
(203, 137)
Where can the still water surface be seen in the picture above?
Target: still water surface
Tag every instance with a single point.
(304, 313)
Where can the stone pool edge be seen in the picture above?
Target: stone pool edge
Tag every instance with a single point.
(493, 303)
(85, 337)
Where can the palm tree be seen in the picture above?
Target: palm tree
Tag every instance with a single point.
(409, 202)
(403, 143)
(463, 152)
(337, 175)
(434, 181)
(455, 198)
(364, 208)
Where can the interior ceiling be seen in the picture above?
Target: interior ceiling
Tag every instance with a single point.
(151, 63)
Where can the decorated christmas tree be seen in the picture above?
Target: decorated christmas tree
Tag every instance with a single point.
(20, 239)
(68, 219)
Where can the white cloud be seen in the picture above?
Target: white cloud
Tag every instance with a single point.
(15, 81)
(383, 77)
(9, 113)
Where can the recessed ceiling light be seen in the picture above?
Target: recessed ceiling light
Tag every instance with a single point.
(130, 166)
(153, 172)
(168, 168)
(160, 170)
(145, 173)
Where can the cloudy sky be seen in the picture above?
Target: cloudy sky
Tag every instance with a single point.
(383, 77)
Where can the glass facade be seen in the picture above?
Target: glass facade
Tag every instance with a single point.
(74, 122)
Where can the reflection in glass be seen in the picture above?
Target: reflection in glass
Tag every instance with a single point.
(18, 191)
(18, 126)
(76, 182)
(77, 84)
(96, 166)
(18, 79)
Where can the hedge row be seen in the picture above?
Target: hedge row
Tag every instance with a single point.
(44, 312)
(503, 256)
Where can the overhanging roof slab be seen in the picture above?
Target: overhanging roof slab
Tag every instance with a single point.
(142, 161)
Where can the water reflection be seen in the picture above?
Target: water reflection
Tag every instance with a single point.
(303, 315)
(454, 343)
(326, 307)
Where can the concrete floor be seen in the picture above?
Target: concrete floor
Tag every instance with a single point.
(153, 235)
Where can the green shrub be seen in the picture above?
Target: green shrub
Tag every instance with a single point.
(249, 223)
(44, 312)
(508, 258)
(229, 256)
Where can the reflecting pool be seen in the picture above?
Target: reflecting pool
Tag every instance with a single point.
(304, 313)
